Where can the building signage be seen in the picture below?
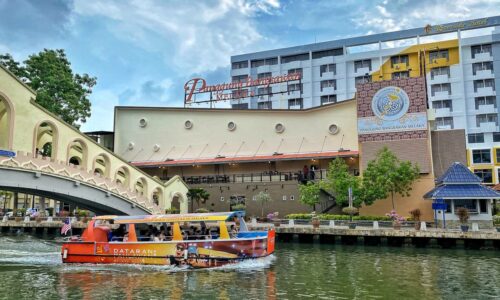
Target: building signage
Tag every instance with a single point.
(456, 26)
(390, 106)
(199, 85)
(7, 153)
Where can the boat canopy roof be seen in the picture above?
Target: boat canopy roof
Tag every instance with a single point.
(196, 217)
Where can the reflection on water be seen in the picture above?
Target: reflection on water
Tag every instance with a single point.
(31, 268)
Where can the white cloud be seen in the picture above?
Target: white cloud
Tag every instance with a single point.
(103, 106)
(197, 36)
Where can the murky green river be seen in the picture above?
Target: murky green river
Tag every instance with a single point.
(30, 268)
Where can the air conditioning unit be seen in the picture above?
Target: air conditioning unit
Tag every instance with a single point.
(397, 67)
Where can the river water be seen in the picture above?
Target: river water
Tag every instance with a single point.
(31, 268)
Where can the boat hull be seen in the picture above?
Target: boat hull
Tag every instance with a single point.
(196, 254)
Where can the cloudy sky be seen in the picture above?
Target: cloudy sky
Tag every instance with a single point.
(142, 51)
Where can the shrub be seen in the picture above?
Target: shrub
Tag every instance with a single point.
(337, 217)
(350, 210)
(463, 214)
(172, 210)
(201, 210)
(496, 220)
(239, 207)
(415, 214)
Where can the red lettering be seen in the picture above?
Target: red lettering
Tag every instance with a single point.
(191, 86)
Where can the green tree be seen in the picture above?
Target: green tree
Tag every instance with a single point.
(57, 89)
(197, 194)
(309, 193)
(263, 198)
(339, 179)
(385, 175)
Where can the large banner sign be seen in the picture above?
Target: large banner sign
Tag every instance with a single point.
(390, 108)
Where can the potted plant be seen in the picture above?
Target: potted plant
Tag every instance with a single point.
(172, 210)
(201, 210)
(396, 219)
(239, 207)
(315, 220)
(496, 222)
(19, 213)
(83, 215)
(351, 211)
(463, 216)
(415, 215)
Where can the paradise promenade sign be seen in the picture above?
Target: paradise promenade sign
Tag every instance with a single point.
(238, 89)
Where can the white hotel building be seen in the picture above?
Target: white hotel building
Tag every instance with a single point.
(461, 64)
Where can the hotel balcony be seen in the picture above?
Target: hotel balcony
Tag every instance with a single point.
(242, 71)
(488, 127)
(483, 74)
(294, 94)
(484, 91)
(400, 67)
(327, 91)
(264, 69)
(326, 76)
(439, 79)
(443, 112)
(362, 71)
(294, 64)
(486, 109)
(443, 127)
(439, 62)
(323, 61)
(440, 96)
(482, 57)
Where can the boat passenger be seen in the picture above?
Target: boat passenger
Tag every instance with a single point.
(163, 237)
(125, 237)
(233, 231)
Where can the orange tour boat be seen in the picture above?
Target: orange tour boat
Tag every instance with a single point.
(199, 240)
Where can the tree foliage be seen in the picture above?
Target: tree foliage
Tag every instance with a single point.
(385, 175)
(339, 179)
(197, 194)
(58, 90)
(263, 198)
(309, 193)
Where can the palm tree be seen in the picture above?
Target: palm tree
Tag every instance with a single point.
(197, 194)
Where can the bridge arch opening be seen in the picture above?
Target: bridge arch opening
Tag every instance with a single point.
(122, 176)
(6, 123)
(101, 165)
(77, 153)
(46, 139)
(141, 186)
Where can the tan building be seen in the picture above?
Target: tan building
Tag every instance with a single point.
(235, 154)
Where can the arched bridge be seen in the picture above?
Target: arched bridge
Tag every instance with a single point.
(55, 160)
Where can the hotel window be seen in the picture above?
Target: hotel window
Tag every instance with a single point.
(284, 197)
(488, 100)
(486, 48)
(496, 138)
(236, 94)
(481, 156)
(442, 104)
(240, 106)
(497, 155)
(264, 75)
(441, 87)
(264, 62)
(362, 79)
(484, 83)
(402, 74)
(470, 204)
(486, 118)
(328, 83)
(294, 87)
(482, 66)
(433, 55)
(265, 91)
(265, 105)
(295, 71)
(240, 78)
(475, 138)
(325, 53)
(448, 205)
(360, 64)
(485, 174)
(292, 197)
(444, 122)
(400, 59)
(291, 58)
(329, 68)
(239, 65)
(440, 71)
(328, 99)
(295, 103)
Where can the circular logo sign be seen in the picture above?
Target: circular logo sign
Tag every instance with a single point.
(390, 103)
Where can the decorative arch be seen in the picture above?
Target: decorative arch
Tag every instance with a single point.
(7, 116)
(141, 186)
(122, 176)
(46, 133)
(157, 197)
(178, 201)
(101, 165)
(77, 150)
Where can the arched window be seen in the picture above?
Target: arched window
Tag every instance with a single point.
(141, 186)
(101, 165)
(6, 124)
(77, 153)
(46, 138)
(123, 176)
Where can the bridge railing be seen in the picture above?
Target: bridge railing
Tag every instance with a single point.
(27, 161)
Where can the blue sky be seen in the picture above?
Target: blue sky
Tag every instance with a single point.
(143, 51)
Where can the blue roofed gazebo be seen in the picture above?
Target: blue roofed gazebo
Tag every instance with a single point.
(459, 187)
